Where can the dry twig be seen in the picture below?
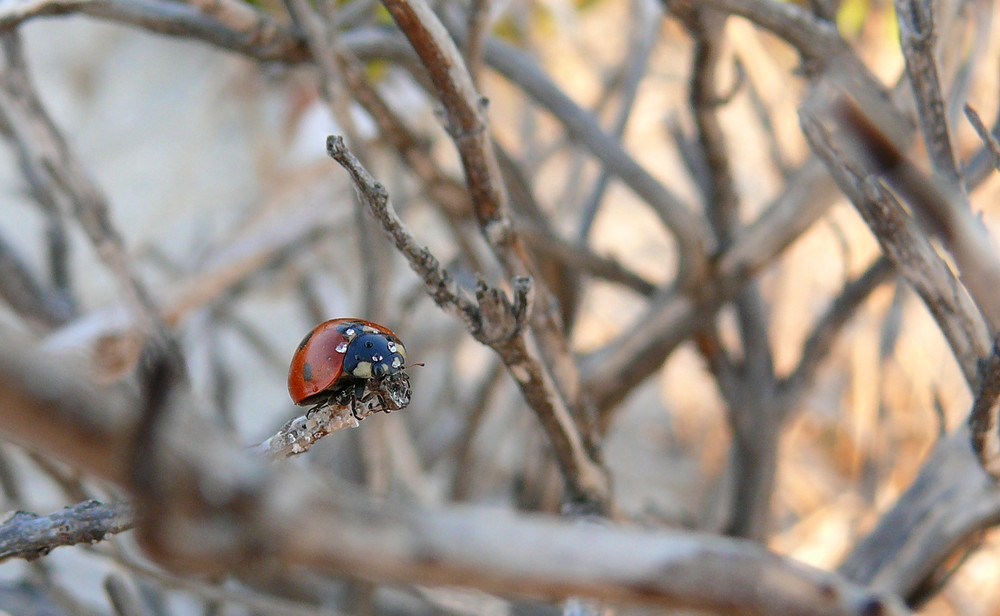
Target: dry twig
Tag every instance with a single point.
(30, 536)
(918, 37)
(500, 323)
(251, 522)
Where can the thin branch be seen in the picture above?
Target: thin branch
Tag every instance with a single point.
(646, 19)
(941, 208)
(30, 536)
(241, 17)
(53, 168)
(688, 229)
(763, 113)
(124, 596)
(270, 42)
(581, 258)
(917, 35)
(23, 292)
(978, 167)
(639, 351)
(58, 248)
(706, 27)
(466, 123)
(322, 41)
(499, 323)
(477, 24)
(299, 434)
(263, 39)
(753, 411)
(983, 421)
(990, 143)
(820, 341)
(909, 248)
(563, 282)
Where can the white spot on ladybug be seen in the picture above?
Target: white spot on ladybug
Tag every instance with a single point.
(397, 362)
(363, 370)
(349, 332)
(342, 347)
(391, 346)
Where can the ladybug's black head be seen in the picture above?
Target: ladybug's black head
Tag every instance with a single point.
(373, 355)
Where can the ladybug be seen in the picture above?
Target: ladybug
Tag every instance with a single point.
(340, 358)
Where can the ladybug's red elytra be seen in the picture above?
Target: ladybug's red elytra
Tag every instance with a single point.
(342, 357)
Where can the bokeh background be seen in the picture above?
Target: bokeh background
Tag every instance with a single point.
(247, 234)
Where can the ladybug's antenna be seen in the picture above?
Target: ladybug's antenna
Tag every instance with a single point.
(418, 364)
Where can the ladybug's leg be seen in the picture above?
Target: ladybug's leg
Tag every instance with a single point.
(357, 392)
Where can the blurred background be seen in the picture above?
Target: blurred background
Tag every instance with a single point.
(246, 234)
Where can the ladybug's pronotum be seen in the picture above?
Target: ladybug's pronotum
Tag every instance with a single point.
(350, 362)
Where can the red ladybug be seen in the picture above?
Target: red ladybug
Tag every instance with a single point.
(341, 357)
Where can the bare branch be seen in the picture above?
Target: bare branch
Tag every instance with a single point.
(21, 289)
(689, 231)
(125, 596)
(646, 20)
(55, 170)
(819, 342)
(476, 26)
(826, 53)
(950, 500)
(299, 434)
(263, 39)
(495, 321)
(990, 144)
(466, 124)
(580, 257)
(243, 504)
(940, 208)
(268, 41)
(983, 421)
(706, 26)
(912, 252)
(30, 536)
(638, 352)
(917, 36)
